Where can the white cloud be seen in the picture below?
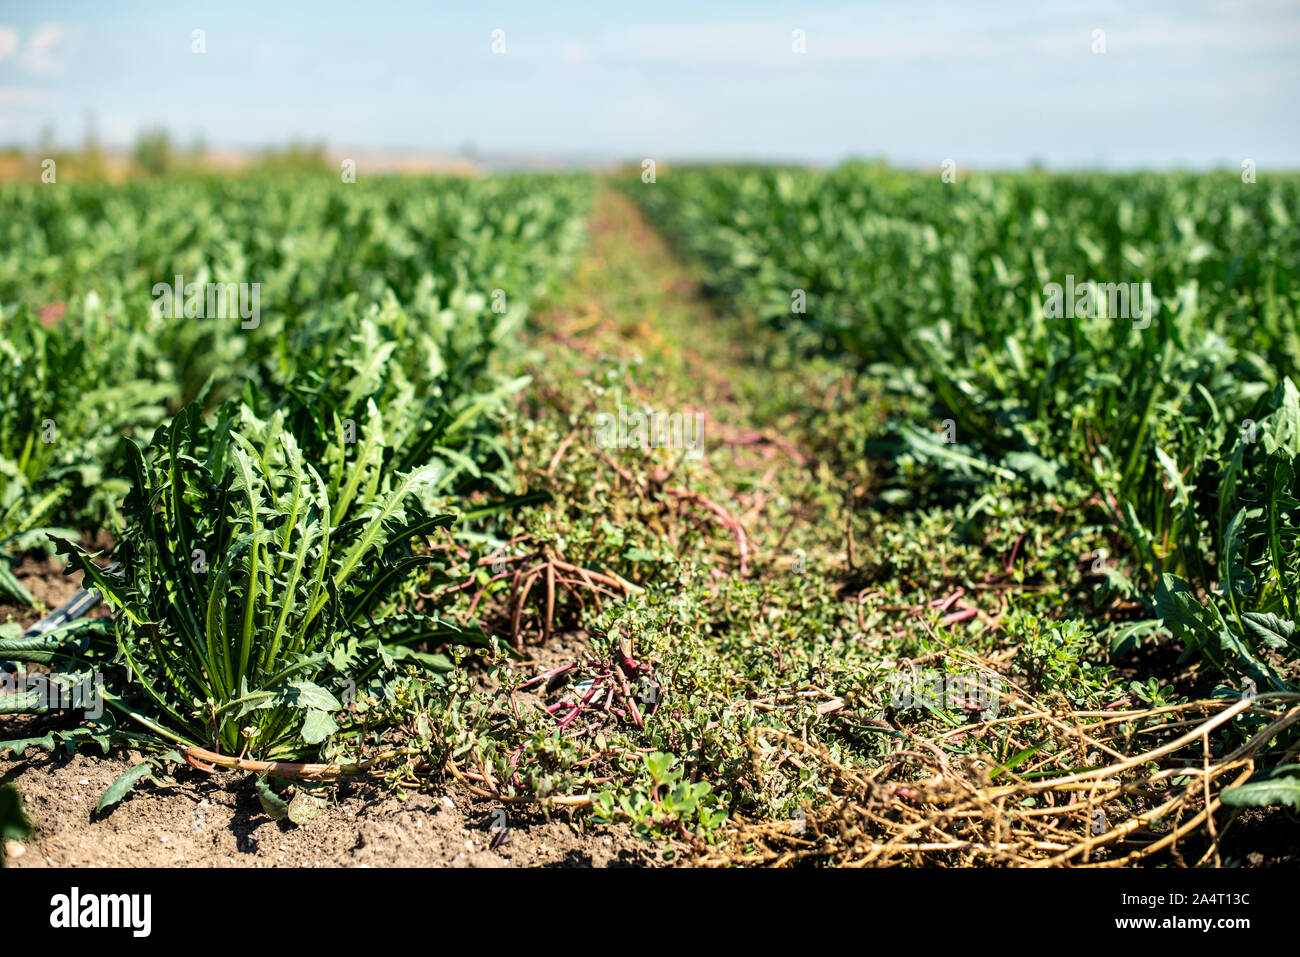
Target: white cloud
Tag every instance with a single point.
(938, 30)
(45, 50)
(20, 96)
(8, 42)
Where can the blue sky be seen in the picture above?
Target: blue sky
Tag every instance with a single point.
(990, 83)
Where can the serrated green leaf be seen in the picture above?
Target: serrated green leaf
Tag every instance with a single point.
(124, 784)
(1280, 786)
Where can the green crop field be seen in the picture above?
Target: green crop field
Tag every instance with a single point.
(749, 515)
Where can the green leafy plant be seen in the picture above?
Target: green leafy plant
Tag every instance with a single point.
(665, 804)
(66, 397)
(1246, 624)
(243, 610)
(1055, 656)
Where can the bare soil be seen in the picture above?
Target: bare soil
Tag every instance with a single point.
(203, 821)
(43, 577)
